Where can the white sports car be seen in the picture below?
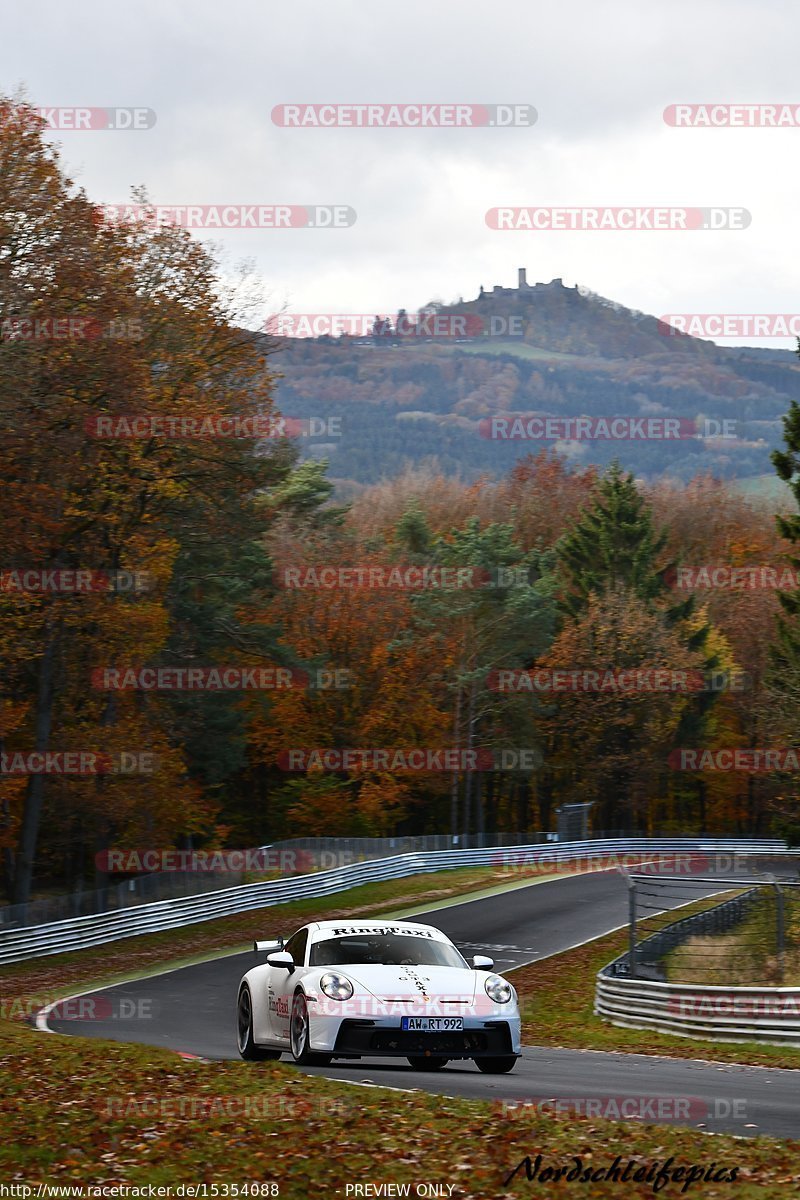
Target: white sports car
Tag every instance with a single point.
(375, 989)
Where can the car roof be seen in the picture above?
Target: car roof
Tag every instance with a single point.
(357, 925)
(385, 923)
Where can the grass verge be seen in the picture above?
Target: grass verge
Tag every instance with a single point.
(748, 953)
(81, 1112)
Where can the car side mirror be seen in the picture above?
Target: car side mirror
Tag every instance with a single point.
(281, 959)
(481, 962)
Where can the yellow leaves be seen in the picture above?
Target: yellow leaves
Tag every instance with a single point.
(381, 803)
(322, 807)
(13, 715)
(173, 489)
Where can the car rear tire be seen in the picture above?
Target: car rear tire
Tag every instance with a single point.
(300, 1036)
(427, 1062)
(244, 1031)
(496, 1066)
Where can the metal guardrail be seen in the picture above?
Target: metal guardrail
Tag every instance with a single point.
(141, 889)
(83, 932)
(293, 856)
(387, 847)
(721, 1013)
(735, 1014)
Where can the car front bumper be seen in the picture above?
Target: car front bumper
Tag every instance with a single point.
(361, 1037)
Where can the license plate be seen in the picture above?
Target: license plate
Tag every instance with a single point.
(432, 1024)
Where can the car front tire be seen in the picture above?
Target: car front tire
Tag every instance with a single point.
(300, 1036)
(496, 1066)
(244, 1031)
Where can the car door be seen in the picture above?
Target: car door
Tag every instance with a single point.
(282, 985)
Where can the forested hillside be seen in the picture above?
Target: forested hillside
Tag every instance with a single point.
(402, 398)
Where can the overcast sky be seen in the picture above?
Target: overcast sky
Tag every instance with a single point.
(599, 76)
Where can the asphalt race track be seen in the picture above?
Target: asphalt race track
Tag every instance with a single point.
(192, 1010)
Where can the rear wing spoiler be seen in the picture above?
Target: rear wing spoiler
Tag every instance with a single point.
(268, 947)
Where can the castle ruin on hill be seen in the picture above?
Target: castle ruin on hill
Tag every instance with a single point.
(524, 286)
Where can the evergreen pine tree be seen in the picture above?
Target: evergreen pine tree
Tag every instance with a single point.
(614, 544)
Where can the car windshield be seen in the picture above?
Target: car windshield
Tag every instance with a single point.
(402, 949)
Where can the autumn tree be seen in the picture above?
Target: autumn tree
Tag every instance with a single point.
(504, 618)
(152, 334)
(615, 550)
(373, 692)
(609, 743)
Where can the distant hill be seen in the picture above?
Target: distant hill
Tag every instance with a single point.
(424, 386)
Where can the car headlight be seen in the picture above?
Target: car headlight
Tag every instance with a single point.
(497, 989)
(337, 987)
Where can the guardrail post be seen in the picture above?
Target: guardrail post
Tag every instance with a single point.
(631, 927)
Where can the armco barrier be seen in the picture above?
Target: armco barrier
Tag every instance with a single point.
(725, 1014)
(83, 932)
